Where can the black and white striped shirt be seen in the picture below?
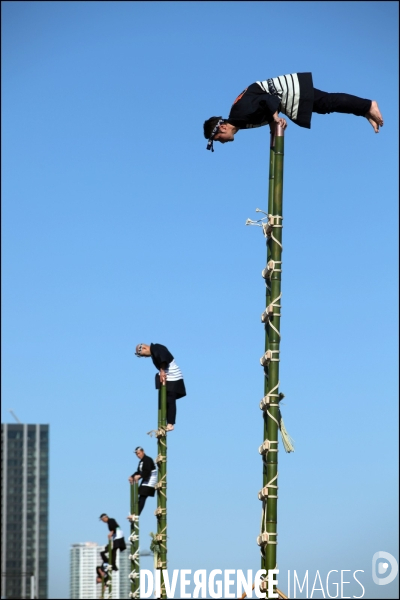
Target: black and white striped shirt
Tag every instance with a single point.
(293, 95)
(173, 372)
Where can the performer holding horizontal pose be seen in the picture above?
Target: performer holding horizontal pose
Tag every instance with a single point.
(169, 374)
(147, 472)
(295, 96)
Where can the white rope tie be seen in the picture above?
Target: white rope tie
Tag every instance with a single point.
(268, 227)
(266, 446)
(134, 575)
(134, 594)
(264, 582)
(160, 459)
(161, 537)
(270, 269)
(133, 518)
(135, 556)
(161, 565)
(269, 357)
(269, 313)
(271, 394)
(160, 512)
(264, 493)
(288, 442)
(133, 538)
(158, 433)
(161, 485)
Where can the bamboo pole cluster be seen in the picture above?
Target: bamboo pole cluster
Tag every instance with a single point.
(134, 575)
(161, 486)
(267, 539)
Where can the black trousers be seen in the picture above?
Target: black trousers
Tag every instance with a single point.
(118, 544)
(171, 407)
(142, 502)
(325, 103)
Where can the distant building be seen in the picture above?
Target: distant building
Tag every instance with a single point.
(85, 557)
(24, 510)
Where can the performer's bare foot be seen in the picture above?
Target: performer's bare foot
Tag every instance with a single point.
(170, 427)
(374, 116)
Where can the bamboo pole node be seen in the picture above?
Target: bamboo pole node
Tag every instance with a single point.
(133, 518)
(134, 556)
(134, 575)
(267, 314)
(160, 459)
(161, 485)
(160, 512)
(270, 269)
(268, 357)
(264, 494)
(266, 401)
(266, 446)
(264, 538)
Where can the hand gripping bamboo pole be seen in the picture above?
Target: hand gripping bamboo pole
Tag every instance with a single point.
(135, 572)
(162, 485)
(272, 344)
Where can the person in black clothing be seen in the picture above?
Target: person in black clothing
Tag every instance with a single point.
(118, 540)
(101, 573)
(169, 374)
(295, 96)
(147, 472)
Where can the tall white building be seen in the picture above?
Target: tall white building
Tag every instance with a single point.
(85, 557)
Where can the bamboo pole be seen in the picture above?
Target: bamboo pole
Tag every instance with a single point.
(110, 557)
(271, 414)
(162, 485)
(134, 539)
(267, 303)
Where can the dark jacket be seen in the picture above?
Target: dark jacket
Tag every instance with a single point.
(146, 468)
(160, 355)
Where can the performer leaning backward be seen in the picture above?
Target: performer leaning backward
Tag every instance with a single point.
(147, 472)
(118, 540)
(169, 373)
(296, 97)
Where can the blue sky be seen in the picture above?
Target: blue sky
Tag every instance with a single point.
(118, 228)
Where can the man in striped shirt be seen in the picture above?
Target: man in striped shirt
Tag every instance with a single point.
(295, 96)
(169, 374)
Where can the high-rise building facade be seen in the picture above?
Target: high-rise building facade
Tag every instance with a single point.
(84, 558)
(24, 510)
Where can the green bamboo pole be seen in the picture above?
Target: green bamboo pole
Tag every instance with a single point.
(161, 486)
(274, 344)
(134, 539)
(270, 361)
(267, 303)
(109, 587)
